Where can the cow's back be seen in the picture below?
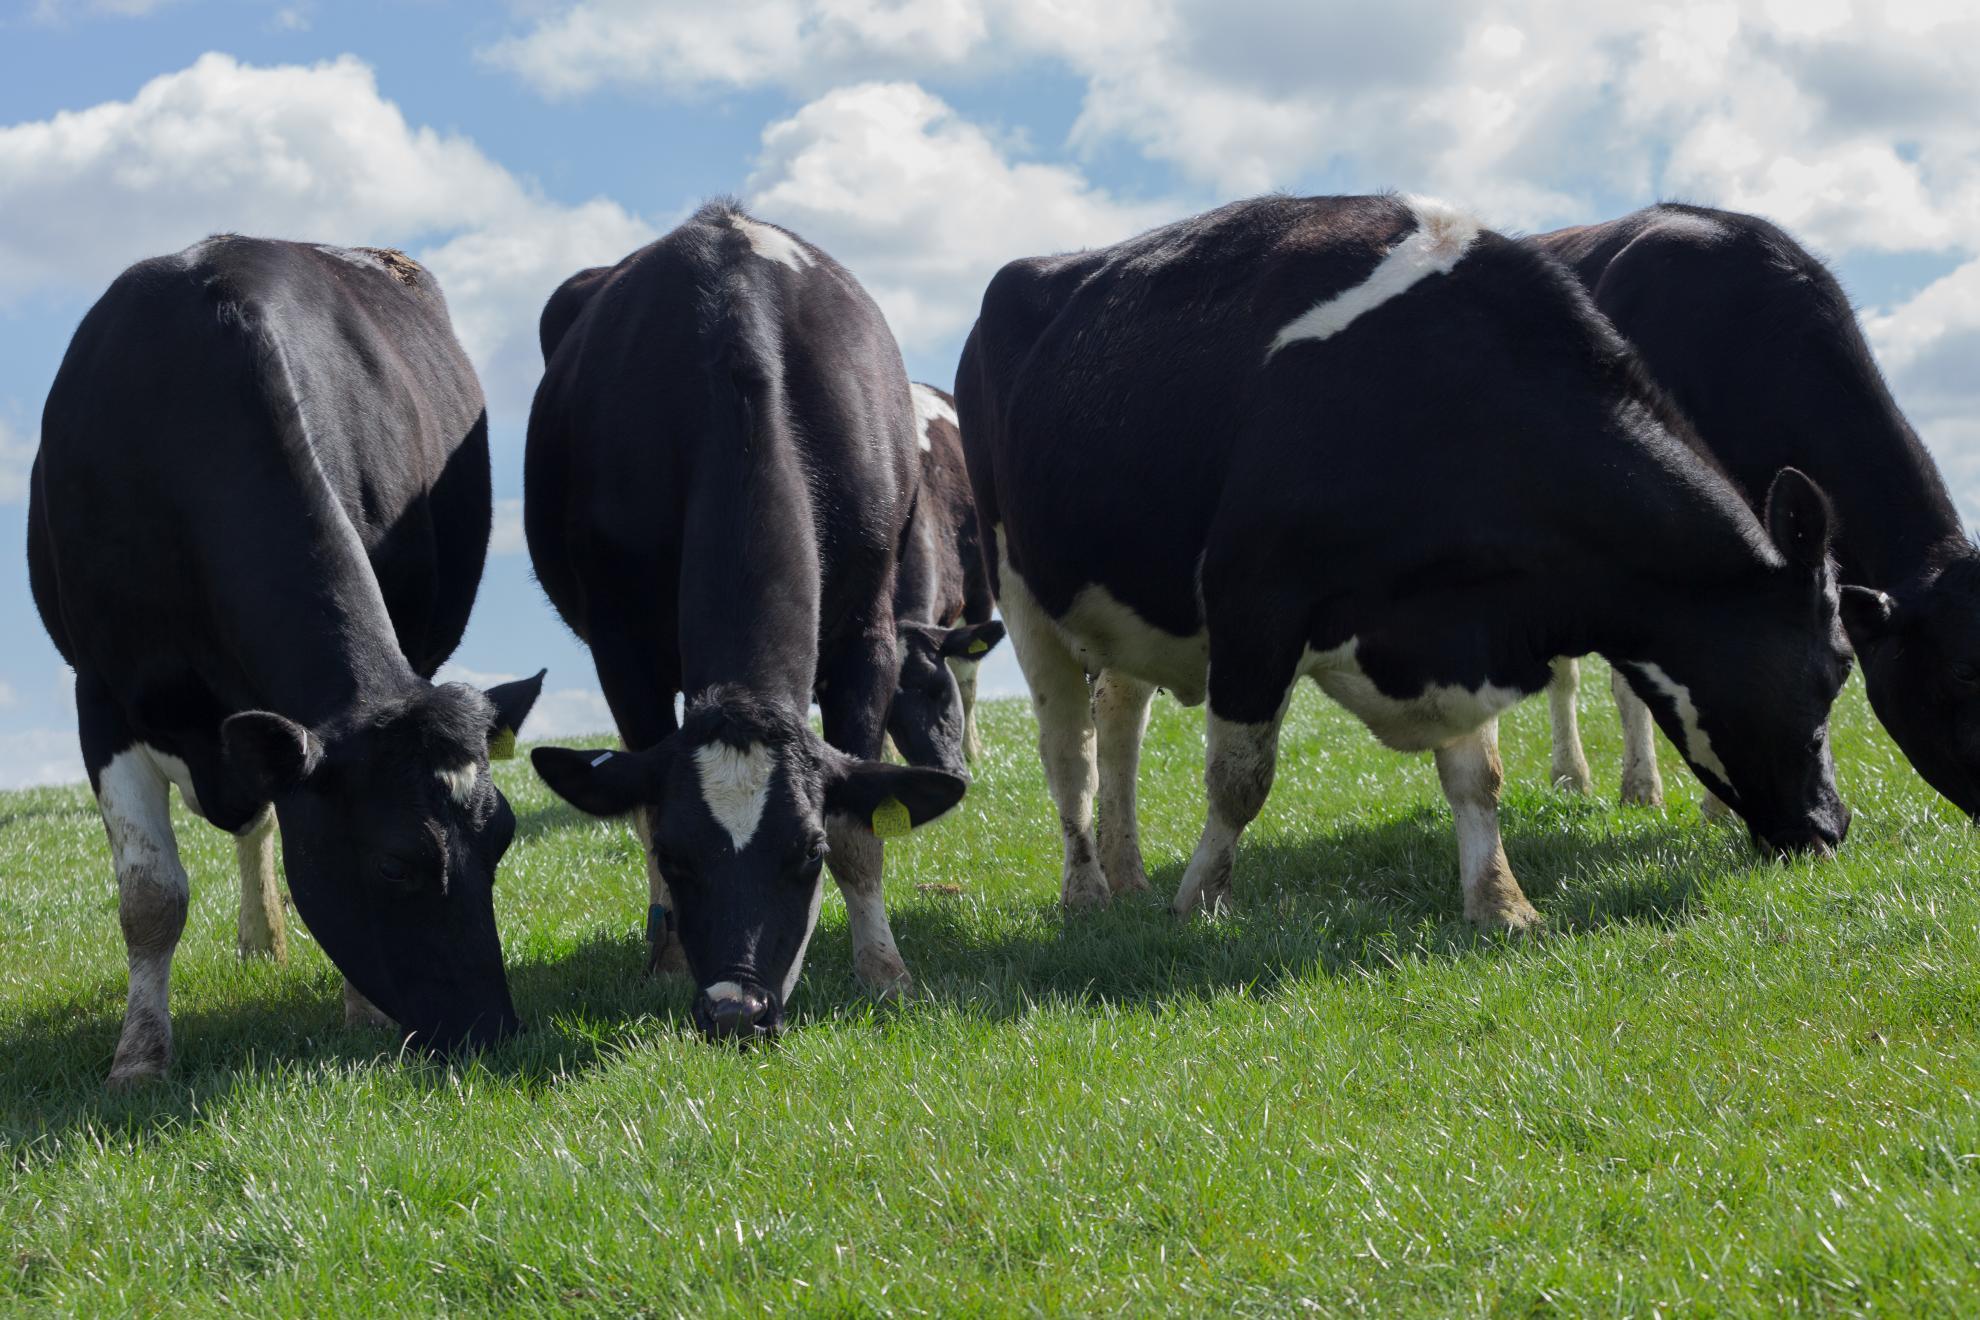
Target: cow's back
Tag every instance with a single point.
(229, 425)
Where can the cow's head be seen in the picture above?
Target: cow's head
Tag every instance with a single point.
(391, 832)
(926, 719)
(1921, 668)
(1745, 694)
(736, 804)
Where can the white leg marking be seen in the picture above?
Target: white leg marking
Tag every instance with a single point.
(1570, 768)
(262, 926)
(965, 672)
(1469, 769)
(1239, 763)
(1441, 238)
(929, 408)
(1697, 743)
(770, 243)
(1120, 712)
(735, 784)
(1064, 707)
(1642, 782)
(151, 905)
(856, 861)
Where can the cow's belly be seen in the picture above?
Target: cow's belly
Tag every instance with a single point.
(1103, 633)
(1420, 723)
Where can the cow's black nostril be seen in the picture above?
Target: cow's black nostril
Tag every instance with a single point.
(733, 1012)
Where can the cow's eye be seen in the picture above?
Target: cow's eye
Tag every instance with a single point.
(1965, 673)
(395, 872)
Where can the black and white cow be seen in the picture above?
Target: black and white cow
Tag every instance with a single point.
(721, 464)
(257, 525)
(1367, 441)
(942, 601)
(1754, 339)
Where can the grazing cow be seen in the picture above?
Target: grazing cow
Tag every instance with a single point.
(942, 601)
(1755, 341)
(257, 526)
(721, 464)
(1367, 441)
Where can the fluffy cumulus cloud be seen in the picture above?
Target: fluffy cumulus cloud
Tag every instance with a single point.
(16, 457)
(922, 204)
(311, 151)
(558, 713)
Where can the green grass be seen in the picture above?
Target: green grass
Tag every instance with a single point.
(1718, 1086)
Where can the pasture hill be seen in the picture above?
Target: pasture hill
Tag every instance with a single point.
(1717, 1084)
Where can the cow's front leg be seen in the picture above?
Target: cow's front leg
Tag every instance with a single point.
(855, 689)
(1120, 715)
(1469, 770)
(965, 671)
(1240, 759)
(1570, 766)
(1642, 783)
(1064, 707)
(151, 905)
(261, 928)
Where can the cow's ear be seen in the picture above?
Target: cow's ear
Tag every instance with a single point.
(513, 702)
(600, 783)
(1798, 518)
(270, 752)
(1866, 615)
(891, 799)
(972, 641)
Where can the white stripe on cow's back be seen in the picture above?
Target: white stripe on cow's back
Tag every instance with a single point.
(1697, 742)
(1442, 236)
(770, 243)
(929, 408)
(735, 784)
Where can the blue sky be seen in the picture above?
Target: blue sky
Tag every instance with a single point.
(924, 143)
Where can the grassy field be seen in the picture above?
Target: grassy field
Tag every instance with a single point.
(1718, 1086)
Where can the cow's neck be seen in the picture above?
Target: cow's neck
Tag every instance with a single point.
(750, 575)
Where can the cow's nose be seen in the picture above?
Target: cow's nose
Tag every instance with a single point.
(729, 1011)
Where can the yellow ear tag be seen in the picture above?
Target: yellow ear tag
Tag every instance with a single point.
(890, 820)
(978, 647)
(502, 747)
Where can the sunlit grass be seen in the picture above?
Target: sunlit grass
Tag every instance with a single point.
(1719, 1084)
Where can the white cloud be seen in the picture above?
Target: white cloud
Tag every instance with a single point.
(16, 458)
(558, 713)
(8, 697)
(923, 205)
(506, 537)
(40, 756)
(57, 11)
(1929, 347)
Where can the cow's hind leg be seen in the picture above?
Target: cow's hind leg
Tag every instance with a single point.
(1064, 707)
(132, 795)
(263, 925)
(1570, 767)
(857, 685)
(1120, 715)
(1642, 784)
(1469, 769)
(1240, 760)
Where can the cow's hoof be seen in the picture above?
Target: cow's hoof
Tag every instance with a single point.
(1126, 875)
(883, 973)
(361, 1012)
(667, 961)
(134, 1074)
(1085, 889)
(1573, 779)
(1507, 916)
(1643, 793)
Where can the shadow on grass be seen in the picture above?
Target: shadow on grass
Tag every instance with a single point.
(1353, 901)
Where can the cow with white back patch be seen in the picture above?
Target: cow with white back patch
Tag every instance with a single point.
(942, 601)
(1377, 445)
(1757, 343)
(720, 467)
(257, 525)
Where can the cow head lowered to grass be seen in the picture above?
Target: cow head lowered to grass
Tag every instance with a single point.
(391, 832)
(737, 803)
(929, 717)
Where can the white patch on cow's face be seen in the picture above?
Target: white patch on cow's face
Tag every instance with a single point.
(789, 987)
(1697, 742)
(460, 781)
(1420, 723)
(929, 408)
(1441, 238)
(1106, 634)
(735, 784)
(771, 244)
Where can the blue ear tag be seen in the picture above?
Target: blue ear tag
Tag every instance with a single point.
(657, 921)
